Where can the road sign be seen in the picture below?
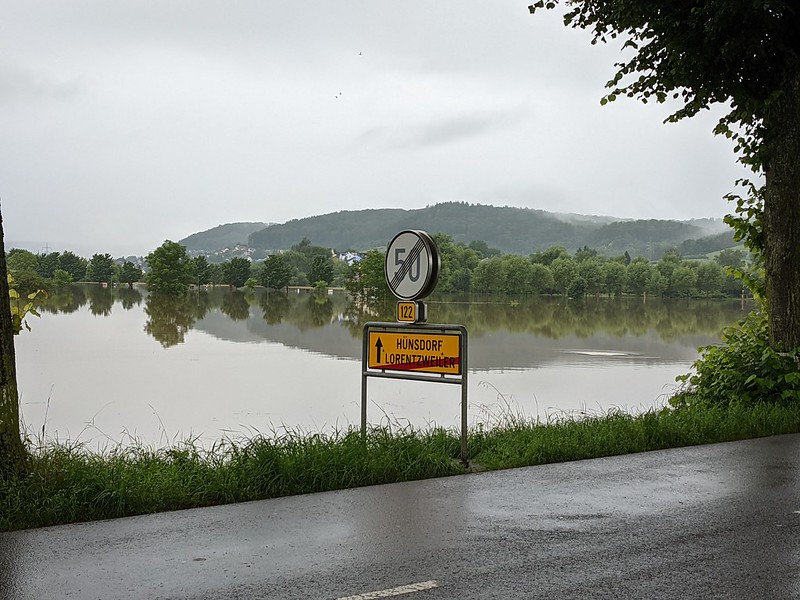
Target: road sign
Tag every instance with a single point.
(411, 311)
(412, 265)
(434, 353)
(415, 352)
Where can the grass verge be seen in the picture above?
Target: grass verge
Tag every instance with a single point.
(67, 483)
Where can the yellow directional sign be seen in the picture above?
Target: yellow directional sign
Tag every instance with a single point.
(414, 351)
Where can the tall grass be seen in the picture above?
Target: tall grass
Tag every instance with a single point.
(520, 442)
(68, 483)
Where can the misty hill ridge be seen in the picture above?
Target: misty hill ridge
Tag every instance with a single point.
(512, 230)
(221, 236)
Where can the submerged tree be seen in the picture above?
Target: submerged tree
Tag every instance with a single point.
(130, 274)
(321, 270)
(275, 273)
(101, 268)
(744, 54)
(236, 271)
(202, 270)
(73, 264)
(170, 269)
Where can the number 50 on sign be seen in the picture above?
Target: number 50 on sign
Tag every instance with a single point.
(412, 265)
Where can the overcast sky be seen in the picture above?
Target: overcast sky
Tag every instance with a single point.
(126, 123)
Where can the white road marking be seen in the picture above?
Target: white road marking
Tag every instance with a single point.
(397, 591)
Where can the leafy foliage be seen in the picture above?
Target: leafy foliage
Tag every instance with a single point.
(743, 369)
(170, 269)
(321, 270)
(236, 271)
(202, 270)
(61, 278)
(101, 268)
(19, 261)
(748, 227)
(366, 280)
(47, 264)
(22, 305)
(276, 273)
(73, 264)
(130, 273)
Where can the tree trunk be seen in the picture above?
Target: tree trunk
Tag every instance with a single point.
(782, 219)
(12, 451)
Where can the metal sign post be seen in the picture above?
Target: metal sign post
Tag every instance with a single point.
(435, 353)
(410, 349)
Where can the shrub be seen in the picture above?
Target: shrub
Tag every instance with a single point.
(742, 369)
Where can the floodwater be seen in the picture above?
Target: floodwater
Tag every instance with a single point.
(110, 367)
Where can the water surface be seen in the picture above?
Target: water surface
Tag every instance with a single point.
(108, 367)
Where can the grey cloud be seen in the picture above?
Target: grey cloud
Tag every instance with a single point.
(438, 132)
(24, 84)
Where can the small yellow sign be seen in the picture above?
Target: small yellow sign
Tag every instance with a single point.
(415, 352)
(411, 312)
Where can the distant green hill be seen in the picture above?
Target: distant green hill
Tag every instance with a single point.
(708, 244)
(512, 230)
(221, 236)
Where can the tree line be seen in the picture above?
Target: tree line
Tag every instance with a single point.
(46, 270)
(170, 269)
(465, 268)
(475, 268)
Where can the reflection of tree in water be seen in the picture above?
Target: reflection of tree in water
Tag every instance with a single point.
(65, 300)
(357, 314)
(311, 311)
(129, 297)
(556, 318)
(250, 296)
(274, 306)
(235, 306)
(552, 318)
(320, 310)
(100, 300)
(202, 303)
(169, 318)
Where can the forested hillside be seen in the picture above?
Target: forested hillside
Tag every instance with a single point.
(222, 236)
(511, 230)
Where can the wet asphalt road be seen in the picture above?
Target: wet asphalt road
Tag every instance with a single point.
(720, 521)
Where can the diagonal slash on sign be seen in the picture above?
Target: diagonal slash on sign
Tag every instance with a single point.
(406, 266)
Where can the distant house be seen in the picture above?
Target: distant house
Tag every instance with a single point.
(350, 258)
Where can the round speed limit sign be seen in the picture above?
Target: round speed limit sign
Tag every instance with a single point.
(412, 264)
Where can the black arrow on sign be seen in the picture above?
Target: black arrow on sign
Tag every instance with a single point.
(379, 347)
